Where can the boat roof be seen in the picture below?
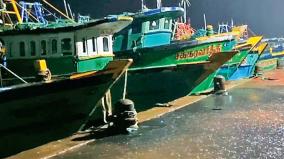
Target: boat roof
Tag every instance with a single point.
(150, 14)
(68, 26)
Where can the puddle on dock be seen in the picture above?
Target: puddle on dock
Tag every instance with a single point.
(249, 123)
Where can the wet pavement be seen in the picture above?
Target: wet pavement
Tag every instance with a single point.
(249, 123)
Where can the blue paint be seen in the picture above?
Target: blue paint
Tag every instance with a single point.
(157, 39)
(246, 69)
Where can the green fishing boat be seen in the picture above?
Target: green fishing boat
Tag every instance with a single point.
(76, 61)
(165, 68)
(67, 46)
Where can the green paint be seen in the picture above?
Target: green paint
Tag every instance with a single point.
(167, 55)
(92, 64)
(58, 66)
(266, 65)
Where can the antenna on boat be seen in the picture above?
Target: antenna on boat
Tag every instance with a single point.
(71, 13)
(232, 23)
(184, 4)
(205, 23)
(159, 4)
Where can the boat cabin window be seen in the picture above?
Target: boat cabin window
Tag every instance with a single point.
(43, 47)
(66, 46)
(94, 42)
(167, 23)
(22, 49)
(33, 48)
(137, 28)
(154, 25)
(105, 44)
(54, 46)
(84, 45)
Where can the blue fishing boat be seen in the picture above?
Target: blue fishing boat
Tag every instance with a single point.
(245, 45)
(247, 68)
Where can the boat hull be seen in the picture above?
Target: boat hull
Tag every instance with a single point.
(232, 66)
(37, 113)
(266, 65)
(150, 86)
(247, 68)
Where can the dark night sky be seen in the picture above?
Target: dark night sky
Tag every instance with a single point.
(262, 16)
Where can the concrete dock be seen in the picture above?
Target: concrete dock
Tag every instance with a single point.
(248, 123)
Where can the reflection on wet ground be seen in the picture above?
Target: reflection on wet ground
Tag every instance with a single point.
(249, 123)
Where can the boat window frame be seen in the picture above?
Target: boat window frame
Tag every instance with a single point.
(66, 51)
(33, 48)
(107, 42)
(94, 44)
(54, 46)
(84, 45)
(156, 27)
(169, 23)
(22, 49)
(136, 28)
(43, 47)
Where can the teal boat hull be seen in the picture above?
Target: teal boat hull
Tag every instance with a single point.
(247, 68)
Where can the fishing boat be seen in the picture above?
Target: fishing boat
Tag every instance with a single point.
(34, 114)
(247, 67)
(272, 56)
(77, 60)
(165, 68)
(229, 68)
(67, 46)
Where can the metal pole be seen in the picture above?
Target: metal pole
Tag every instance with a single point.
(65, 6)
(13, 73)
(71, 13)
(16, 11)
(125, 85)
(50, 5)
(205, 25)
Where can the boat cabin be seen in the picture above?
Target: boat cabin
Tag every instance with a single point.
(66, 49)
(149, 28)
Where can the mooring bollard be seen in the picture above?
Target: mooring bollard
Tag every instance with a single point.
(219, 85)
(43, 73)
(126, 116)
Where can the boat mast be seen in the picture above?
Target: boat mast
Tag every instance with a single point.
(6, 13)
(184, 4)
(16, 11)
(66, 10)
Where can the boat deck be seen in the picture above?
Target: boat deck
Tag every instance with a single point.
(248, 123)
